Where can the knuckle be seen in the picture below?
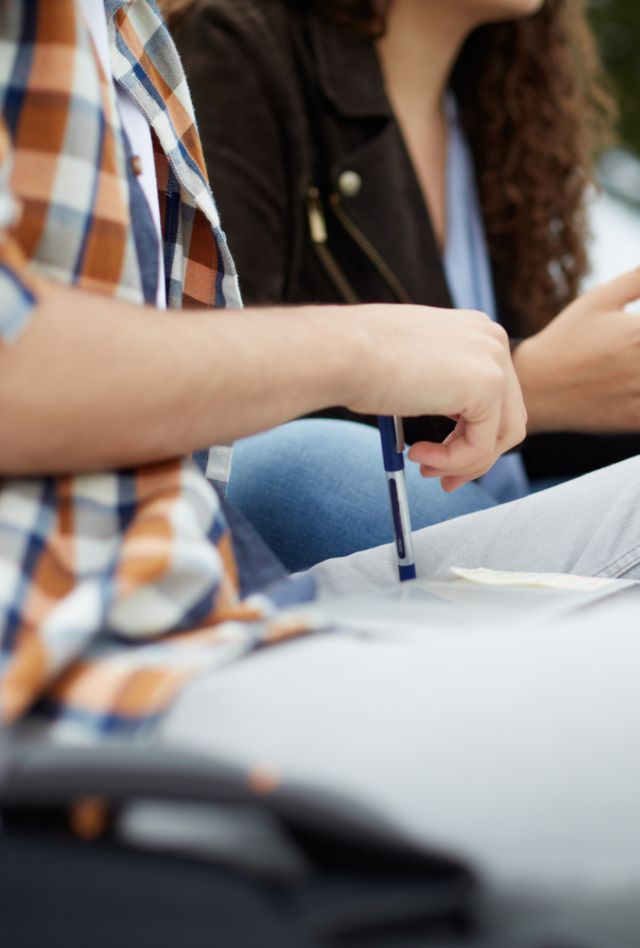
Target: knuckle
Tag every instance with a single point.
(500, 349)
(493, 378)
(489, 326)
(494, 348)
(499, 333)
(477, 316)
(513, 435)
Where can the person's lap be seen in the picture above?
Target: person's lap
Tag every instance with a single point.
(447, 733)
(316, 489)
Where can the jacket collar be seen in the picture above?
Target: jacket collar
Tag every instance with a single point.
(348, 70)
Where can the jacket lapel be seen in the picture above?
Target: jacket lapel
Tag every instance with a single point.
(369, 171)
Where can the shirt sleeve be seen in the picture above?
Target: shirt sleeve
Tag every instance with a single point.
(17, 298)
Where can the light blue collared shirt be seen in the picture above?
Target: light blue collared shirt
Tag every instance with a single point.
(468, 272)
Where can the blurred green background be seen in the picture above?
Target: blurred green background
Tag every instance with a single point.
(617, 26)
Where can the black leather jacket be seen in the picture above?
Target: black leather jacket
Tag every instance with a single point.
(287, 103)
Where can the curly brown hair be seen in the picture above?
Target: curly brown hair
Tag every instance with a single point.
(536, 111)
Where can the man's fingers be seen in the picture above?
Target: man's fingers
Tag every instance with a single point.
(493, 422)
(449, 484)
(458, 455)
(459, 460)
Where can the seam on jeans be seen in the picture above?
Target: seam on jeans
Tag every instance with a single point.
(622, 564)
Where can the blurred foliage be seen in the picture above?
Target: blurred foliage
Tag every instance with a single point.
(617, 27)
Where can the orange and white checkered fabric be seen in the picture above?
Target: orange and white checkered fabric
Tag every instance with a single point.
(117, 587)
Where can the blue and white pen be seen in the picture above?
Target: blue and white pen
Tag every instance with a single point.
(392, 436)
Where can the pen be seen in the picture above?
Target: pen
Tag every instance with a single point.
(392, 436)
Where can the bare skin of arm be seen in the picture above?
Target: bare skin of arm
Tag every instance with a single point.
(124, 385)
(582, 371)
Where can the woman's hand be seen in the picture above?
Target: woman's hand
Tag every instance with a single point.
(582, 371)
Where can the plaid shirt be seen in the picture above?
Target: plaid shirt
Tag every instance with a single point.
(113, 587)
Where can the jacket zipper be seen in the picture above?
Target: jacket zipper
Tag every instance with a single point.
(319, 238)
(367, 248)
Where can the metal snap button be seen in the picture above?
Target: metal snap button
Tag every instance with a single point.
(350, 183)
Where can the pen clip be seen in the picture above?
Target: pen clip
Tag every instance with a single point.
(398, 427)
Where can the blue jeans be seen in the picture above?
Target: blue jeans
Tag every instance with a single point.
(316, 488)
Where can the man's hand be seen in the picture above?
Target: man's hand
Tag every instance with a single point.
(582, 372)
(444, 362)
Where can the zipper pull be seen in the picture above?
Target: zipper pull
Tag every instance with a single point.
(317, 220)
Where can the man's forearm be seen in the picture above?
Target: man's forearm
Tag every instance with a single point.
(93, 383)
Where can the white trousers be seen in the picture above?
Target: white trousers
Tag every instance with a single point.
(515, 747)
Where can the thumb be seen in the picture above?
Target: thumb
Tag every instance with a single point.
(614, 294)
